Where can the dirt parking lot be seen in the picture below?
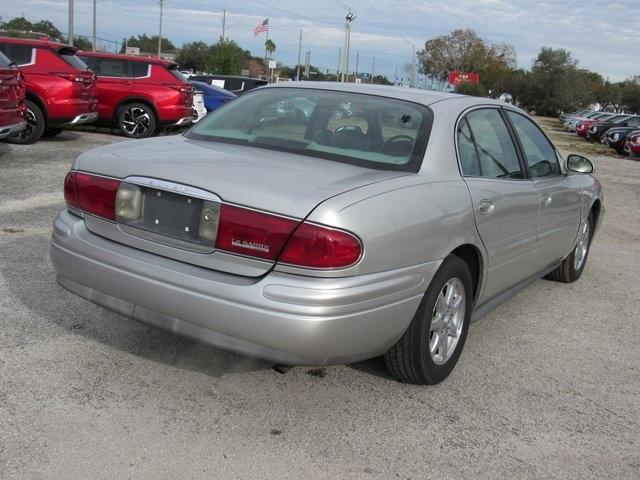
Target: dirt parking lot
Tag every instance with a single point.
(548, 385)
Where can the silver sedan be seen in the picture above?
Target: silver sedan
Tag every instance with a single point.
(318, 223)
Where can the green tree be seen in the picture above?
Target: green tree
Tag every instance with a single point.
(465, 51)
(197, 56)
(270, 47)
(146, 44)
(469, 88)
(227, 58)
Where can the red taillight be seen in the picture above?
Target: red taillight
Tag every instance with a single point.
(91, 194)
(252, 233)
(315, 246)
(71, 76)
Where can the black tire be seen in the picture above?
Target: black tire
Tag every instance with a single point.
(567, 271)
(36, 124)
(410, 359)
(52, 132)
(137, 120)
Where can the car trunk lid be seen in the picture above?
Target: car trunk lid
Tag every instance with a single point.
(209, 173)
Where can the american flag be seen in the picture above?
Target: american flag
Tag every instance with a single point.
(261, 27)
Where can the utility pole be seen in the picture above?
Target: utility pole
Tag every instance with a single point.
(395, 76)
(160, 30)
(299, 52)
(339, 64)
(93, 45)
(224, 24)
(373, 68)
(70, 23)
(350, 17)
(307, 62)
(357, 60)
(412, 82)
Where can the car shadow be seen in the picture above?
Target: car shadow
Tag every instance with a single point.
(31, 281)
(373, 366)
(64, 136)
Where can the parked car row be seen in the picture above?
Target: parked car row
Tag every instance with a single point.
(616, 130)
(46, 86)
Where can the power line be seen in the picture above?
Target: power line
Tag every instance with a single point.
(293, 14)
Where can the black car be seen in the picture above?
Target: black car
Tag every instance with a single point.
(615, 137)
(237, 85)
(597, 129)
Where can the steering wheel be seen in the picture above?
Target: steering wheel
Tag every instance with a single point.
(349, 128)
(393, 139)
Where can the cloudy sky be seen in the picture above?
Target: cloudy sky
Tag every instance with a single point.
(602, 34)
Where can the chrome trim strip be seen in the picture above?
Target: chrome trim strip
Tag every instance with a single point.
(173, 187)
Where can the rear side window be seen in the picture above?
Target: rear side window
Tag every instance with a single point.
(110, 67)
(539, 153)
(139, 69)
(467, 151)
(19, 54)
(497, 156)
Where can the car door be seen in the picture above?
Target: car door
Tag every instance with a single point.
(560, 194)
(505, 202)
(114, 83)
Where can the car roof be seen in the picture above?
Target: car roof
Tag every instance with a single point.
(424, 97)
(212, 87)
(45, 42)
(119, 56)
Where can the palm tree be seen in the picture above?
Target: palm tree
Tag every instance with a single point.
(269, 46)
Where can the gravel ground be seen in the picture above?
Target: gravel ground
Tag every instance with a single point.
(548, 385)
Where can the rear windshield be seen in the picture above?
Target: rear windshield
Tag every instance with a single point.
(176, 73)
(4, 60)
(366, 130)
(72, 59)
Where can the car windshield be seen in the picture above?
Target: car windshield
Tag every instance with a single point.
(620, 119)
(361, 129)
(72, 59)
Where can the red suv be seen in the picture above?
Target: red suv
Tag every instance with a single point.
(60, 90)
(11, 99)
(140, 94)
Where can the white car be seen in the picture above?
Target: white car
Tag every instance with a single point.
(199, 110)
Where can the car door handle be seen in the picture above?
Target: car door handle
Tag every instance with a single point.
(486, 207)
(546, 199)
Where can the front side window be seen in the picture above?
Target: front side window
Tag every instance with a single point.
(496, 153)
(366, 130)
(4, 60)
(539, 153)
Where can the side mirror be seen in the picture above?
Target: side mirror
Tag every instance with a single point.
(579, 164)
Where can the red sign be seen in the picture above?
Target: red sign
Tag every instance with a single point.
(458, 77)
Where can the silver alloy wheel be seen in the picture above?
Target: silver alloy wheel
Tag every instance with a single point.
(136, 121)
(447, 321)
(31, 119)
(582, 246)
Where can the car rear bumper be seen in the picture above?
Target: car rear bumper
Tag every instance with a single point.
(280, 317)
(10, 130)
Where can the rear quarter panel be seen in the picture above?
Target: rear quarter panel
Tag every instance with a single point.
(403, 222)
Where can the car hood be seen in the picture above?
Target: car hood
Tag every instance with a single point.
(285, 183)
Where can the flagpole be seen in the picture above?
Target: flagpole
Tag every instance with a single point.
(266, 65)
